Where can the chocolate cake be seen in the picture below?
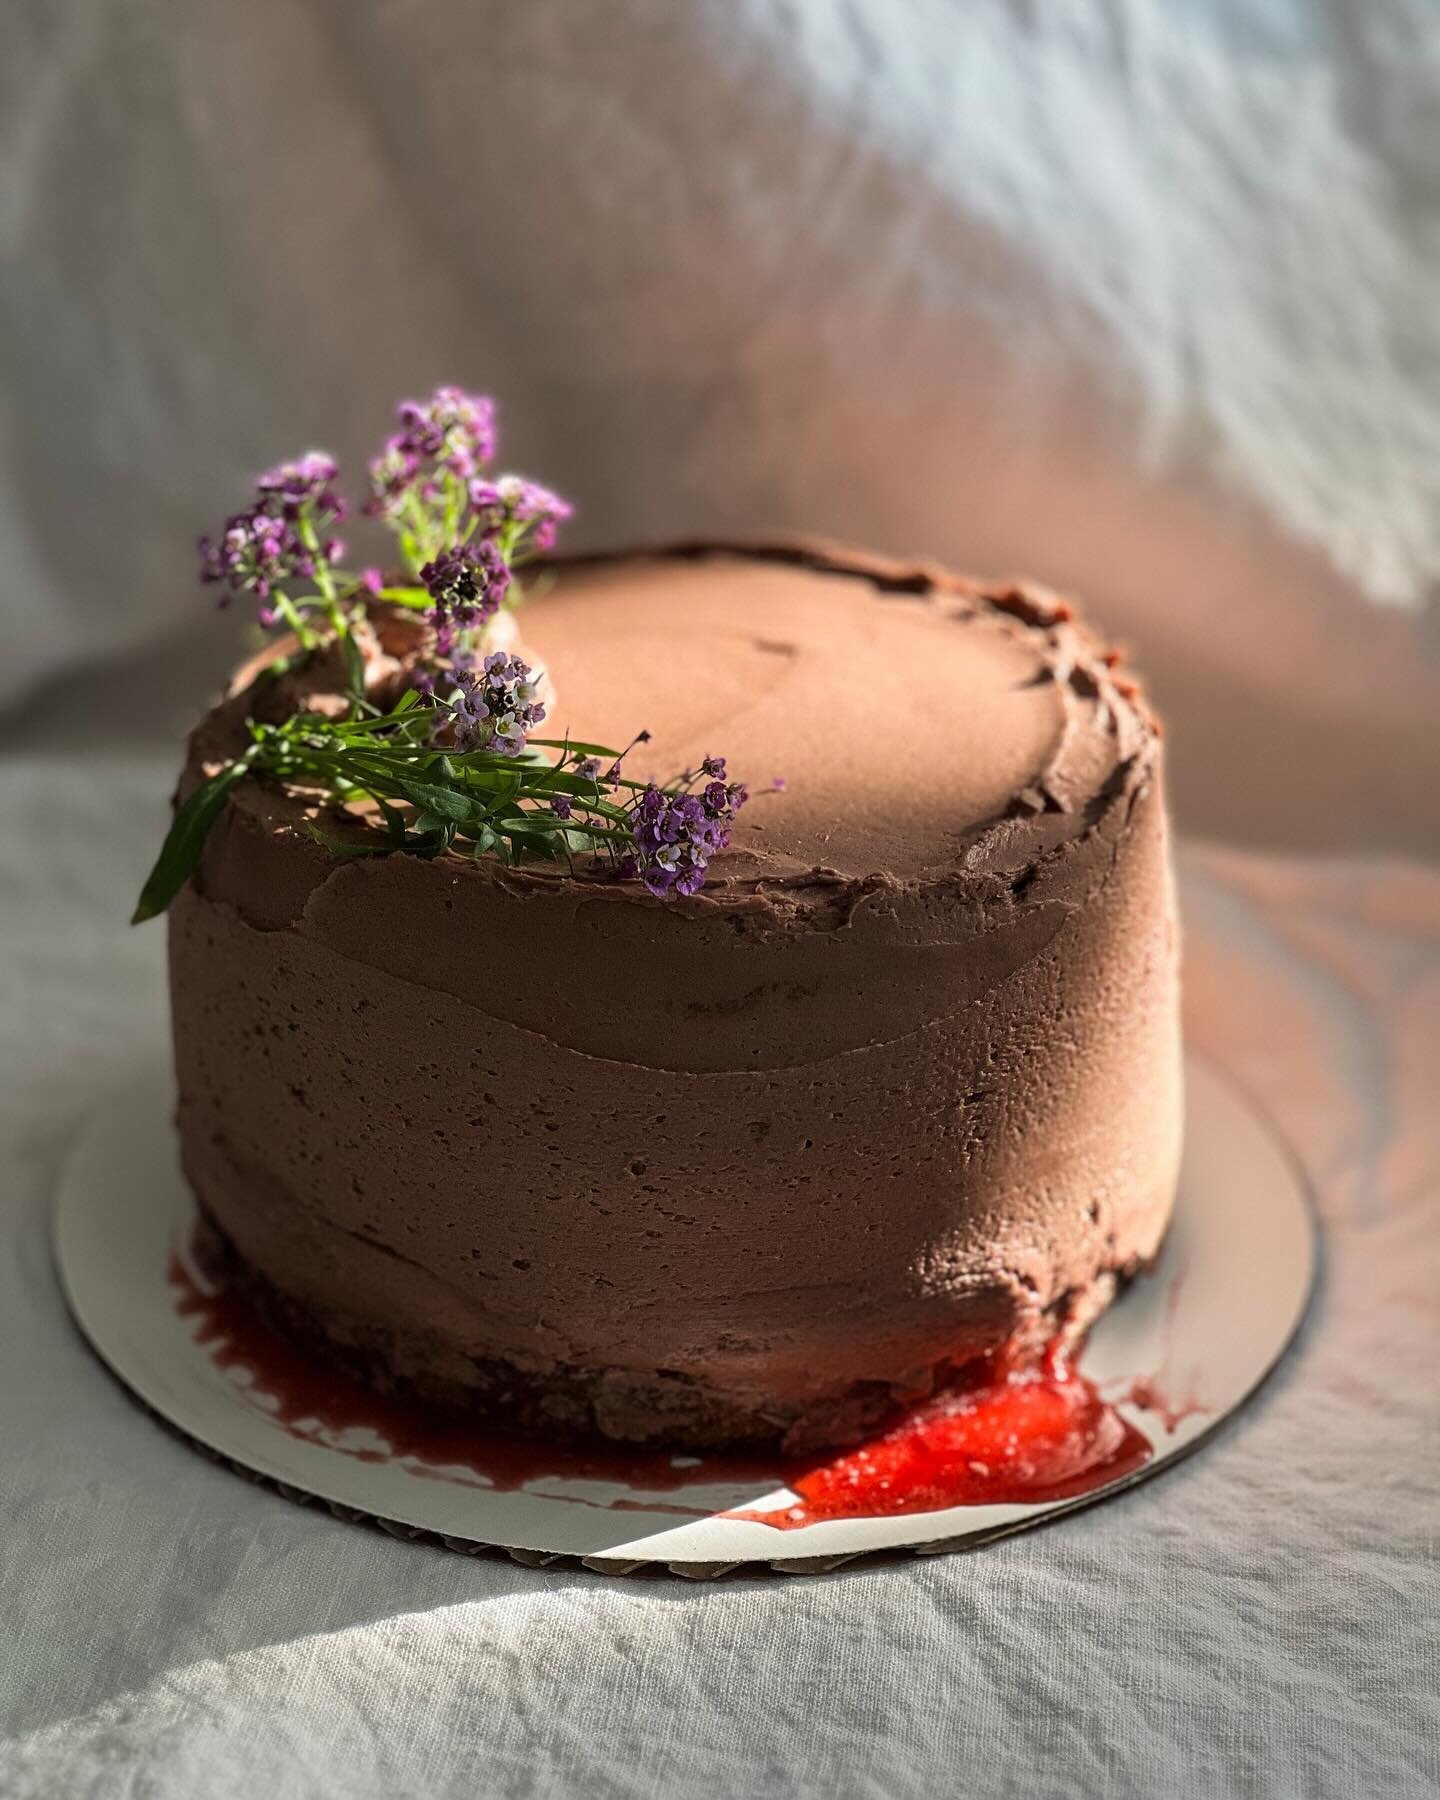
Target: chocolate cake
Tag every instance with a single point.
(898, 1089)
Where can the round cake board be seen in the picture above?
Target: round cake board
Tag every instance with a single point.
(1201, 1331)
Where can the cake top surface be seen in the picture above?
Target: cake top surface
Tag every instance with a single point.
(908, 713)
(927, 728)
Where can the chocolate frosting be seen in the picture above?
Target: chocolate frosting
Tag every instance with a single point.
(899, 1085)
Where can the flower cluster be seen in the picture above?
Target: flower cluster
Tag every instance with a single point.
(466, 585)
(451, 431)
(452, 427)
(452, 763)
(279, 537)
(676, 834)
(494, 708)
(461, 534)
(465, 789)
(254, 552)
(309, 481)
(521, 513)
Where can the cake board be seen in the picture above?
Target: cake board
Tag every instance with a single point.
(1180, 1351)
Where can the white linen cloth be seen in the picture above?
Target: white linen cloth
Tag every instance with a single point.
(1138, 297)
(1260, 1621)
(1130, 295)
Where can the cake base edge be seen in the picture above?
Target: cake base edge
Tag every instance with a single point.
(564, 1403)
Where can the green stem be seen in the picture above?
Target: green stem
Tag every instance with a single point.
(428, 797)
(415, 543)
(290, 612)
(339, 624)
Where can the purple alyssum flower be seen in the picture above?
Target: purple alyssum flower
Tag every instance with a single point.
(562, 806)
(675, 835)
(306, 482)
(515, 505)
(451, 427)
(256, 551)
(452, 430)
(428, 480)
(466, 584)
(493, 708)
(277, 538)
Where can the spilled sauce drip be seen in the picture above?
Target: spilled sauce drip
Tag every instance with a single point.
(1007, 1436)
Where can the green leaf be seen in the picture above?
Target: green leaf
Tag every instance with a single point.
(180, 853)
(443, 802)
(354, 665)
(488, 842)
(394, 821)
(345, 846)
(537, 824)
(575, 747)
(547, 849)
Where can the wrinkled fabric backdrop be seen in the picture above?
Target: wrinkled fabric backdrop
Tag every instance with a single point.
(1137, 298)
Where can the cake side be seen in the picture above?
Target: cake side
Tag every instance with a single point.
(752, 1165)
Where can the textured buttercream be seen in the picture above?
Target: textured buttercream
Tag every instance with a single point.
(900, 1085)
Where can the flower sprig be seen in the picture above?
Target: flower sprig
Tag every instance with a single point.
(461, 534)
(429, 485)
(417, 779)
(280, 540)
(453, 764)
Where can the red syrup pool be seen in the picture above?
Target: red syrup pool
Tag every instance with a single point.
(1015, 1436)
(1008, 1436)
